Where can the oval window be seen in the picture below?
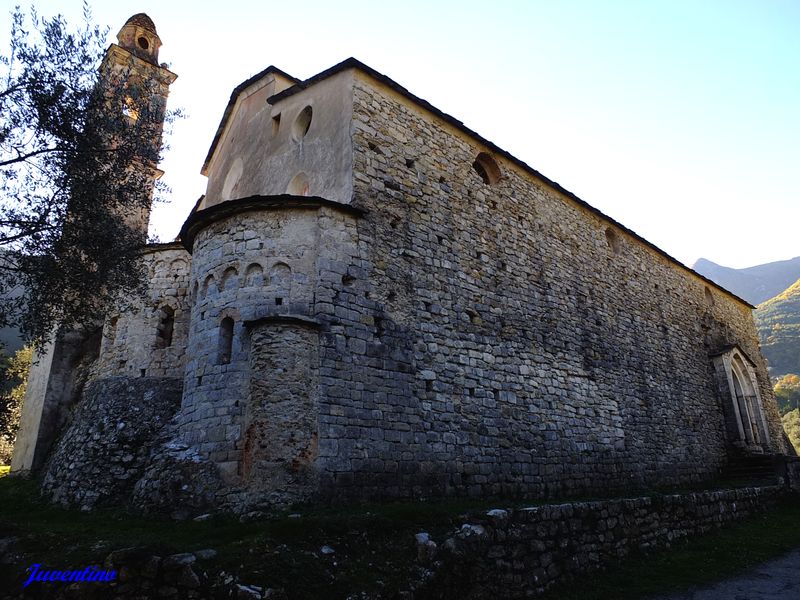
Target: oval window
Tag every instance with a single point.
(302, 123)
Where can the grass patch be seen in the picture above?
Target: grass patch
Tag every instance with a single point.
(373, 544)
(374, 550)
(700, 561)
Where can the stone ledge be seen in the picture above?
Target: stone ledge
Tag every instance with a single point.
(300, 320)
(201, 219)
(162, 246)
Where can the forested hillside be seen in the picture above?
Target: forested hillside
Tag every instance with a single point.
(778, 322)
(791, 424)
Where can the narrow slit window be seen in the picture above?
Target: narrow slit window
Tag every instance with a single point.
(166, 326)
(112, 330)
(612, 239)
(225, 340)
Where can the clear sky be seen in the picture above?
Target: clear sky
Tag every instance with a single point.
(678, 118)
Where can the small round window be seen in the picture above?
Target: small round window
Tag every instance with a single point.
(302, 123)
(143, 43)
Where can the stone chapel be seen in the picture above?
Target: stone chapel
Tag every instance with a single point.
(373, 301)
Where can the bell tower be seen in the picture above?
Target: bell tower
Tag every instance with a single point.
(130, 106)
(137, 85)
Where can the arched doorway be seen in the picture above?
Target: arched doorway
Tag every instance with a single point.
(747, 426)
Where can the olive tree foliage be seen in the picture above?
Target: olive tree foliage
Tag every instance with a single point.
(13, 382)
(77, 156)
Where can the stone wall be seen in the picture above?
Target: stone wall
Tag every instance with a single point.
(503, 553)
(259, 262)
(505, 338)
(245, 267)
(281, 438)
(103, 450)
(56, 381)
(521, 553)
(146, 335)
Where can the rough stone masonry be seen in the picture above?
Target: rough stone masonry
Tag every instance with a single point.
(372, 301)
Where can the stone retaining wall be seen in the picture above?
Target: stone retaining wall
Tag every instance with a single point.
(520, 553)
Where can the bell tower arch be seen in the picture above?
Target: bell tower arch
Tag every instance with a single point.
(139, 37)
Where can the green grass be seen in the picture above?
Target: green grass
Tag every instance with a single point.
(374, 545)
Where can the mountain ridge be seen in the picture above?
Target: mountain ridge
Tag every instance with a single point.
(755, 284)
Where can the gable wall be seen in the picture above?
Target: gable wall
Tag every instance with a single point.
(253, 158)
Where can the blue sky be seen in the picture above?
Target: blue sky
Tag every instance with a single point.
(679, 119)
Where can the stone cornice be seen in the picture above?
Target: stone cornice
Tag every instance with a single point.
(161, 246)
(290, 319)
(197, 221)
(121, 56)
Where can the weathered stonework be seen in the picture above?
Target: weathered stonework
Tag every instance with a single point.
(521, 553)
(103, 451)
(373, 301)
(503, 553)
(177, 480)
(281, 438)
(135, 343)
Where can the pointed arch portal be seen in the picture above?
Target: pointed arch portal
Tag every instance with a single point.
(744, 415)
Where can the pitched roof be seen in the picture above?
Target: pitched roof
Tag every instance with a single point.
(352, 63)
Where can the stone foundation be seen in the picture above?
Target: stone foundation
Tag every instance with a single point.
(178, 481)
